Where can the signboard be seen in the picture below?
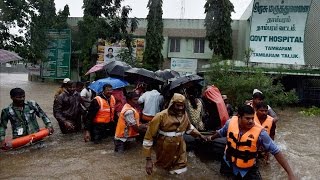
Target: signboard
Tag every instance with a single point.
(277, 31)
(58, 54)
(184, 66)
(109, 51)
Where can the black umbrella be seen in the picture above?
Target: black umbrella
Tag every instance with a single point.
(116, 68)
(184, 80)
(167, 74)
(142, 75)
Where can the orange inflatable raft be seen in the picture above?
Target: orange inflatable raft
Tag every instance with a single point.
(28, 139)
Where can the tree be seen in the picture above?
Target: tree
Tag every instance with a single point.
(13, 14)
(152, 57)
(101, 21)
(218, 26)
(32, 18)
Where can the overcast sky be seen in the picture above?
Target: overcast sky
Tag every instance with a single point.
(171, 8)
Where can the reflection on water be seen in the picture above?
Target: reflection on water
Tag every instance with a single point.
(68, 157)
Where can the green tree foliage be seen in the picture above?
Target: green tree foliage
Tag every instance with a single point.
(104, 19)
(239, 85)
(13, 14)
(32, 18)
(218, 27)
(152, 57)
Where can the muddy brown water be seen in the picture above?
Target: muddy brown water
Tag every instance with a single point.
(69, 157)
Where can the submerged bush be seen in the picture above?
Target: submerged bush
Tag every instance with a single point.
(238, 84)
(313, 111)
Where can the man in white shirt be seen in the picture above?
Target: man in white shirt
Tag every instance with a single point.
(86, 96)
(152, 101)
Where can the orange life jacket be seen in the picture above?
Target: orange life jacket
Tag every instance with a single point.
(122, 129)
(267, 124)
(242, 150)
(106, 111)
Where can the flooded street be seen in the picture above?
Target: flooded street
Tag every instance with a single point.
(69, 157)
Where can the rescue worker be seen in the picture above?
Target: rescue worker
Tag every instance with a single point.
(128, 124)
(100, 116)
(22, 116)
(262, 118)
(244, 137)
(257, 97)
(167, 128)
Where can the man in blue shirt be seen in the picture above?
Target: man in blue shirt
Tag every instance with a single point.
(243, 140)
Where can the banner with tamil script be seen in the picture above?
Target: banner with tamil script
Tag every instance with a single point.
(277, 31)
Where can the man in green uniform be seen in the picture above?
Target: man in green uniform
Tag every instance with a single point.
(22, 116)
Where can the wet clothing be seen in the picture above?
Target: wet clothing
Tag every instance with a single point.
(106, 111)
(125, 133)
(242, 149)
(264, 140)
(98, 131)
(168, 128)
(86, 94)
(120, 101)
(195, 114)
(23, 121)
(66, 107)
(268, 124)
(152, 101)
(128, 118)
(58, 92)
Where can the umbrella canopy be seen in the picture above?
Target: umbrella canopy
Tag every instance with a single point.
(7, 56)
(116, 83)
(184, 80)
(143, 75)
(95, 68)
(167, 74)
(112, 68)
(117, 68)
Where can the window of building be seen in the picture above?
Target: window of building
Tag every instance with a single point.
(198, 46)
(175, 45)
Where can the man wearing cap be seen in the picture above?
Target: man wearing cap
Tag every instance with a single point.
(258, 97)
(67, 109)
(61, 88)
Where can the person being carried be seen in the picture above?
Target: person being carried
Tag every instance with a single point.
(100, 116)
(167, 128)
(67, 109)
(244, 137)
(128, 124)
(22, 115)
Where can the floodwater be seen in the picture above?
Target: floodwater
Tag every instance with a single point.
(69, 157)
